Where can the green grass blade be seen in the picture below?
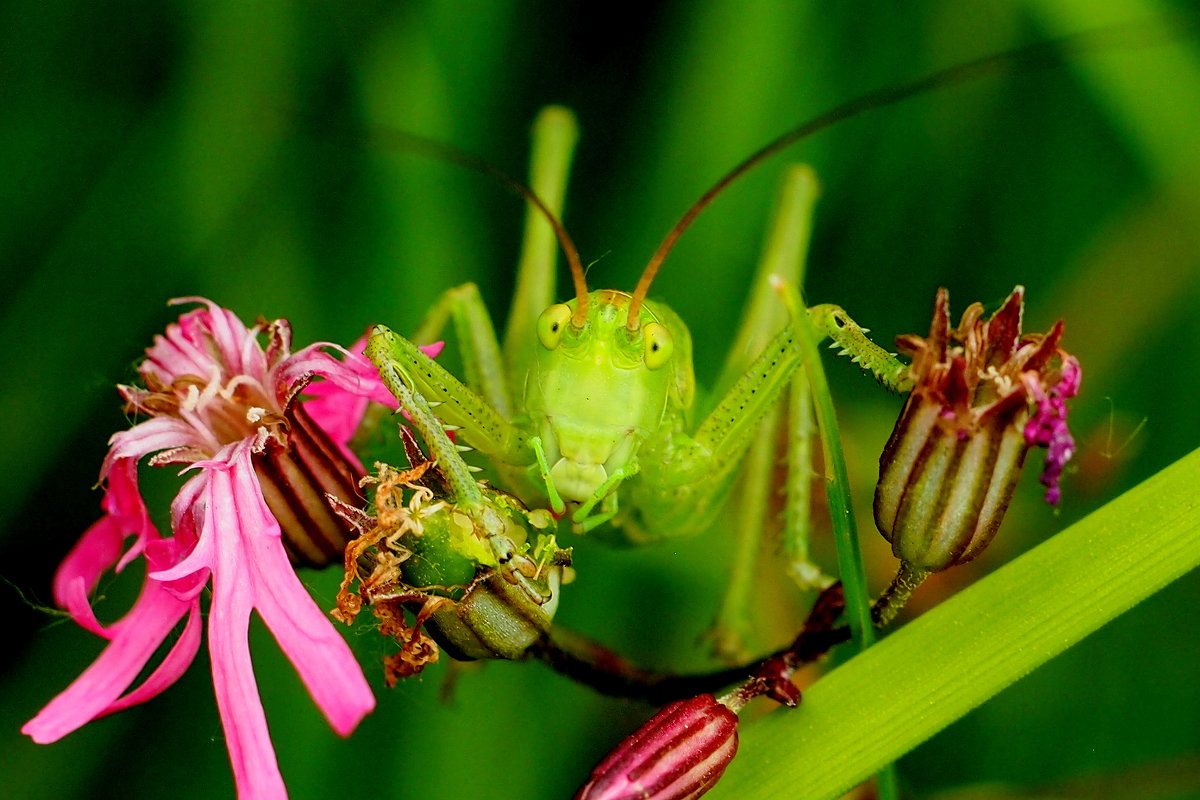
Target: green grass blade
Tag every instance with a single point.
(892, 697)
(841, 509)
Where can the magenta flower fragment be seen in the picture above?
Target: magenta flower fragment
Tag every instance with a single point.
(259, 461)
(1048, 426)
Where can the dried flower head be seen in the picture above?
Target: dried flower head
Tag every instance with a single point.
(983, 393)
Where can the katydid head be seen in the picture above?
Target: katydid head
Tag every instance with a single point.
(598, 389)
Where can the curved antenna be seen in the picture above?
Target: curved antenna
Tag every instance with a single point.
(453, 155)
(1041, 55)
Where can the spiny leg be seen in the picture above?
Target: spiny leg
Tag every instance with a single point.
(403, 367)
(732, 631)
(784, 254)
(797, 516)
(477, 343)
(463, 489)
(834, 322)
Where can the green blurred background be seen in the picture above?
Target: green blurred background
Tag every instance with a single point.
(229, 149)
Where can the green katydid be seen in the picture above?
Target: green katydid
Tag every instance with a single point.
(593, 400)
(634, 441)
(605, 396)
(589, 407)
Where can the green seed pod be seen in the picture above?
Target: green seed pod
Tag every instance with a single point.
(479, 586)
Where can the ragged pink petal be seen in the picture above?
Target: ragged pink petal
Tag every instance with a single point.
(156, 433)
(195, 563)
(337, 403)
(187, 512)
(134, 639)
(305, 633)
(237, 345)
(337, 413)
(103, 544)
(190, 512)
(178, 659)
(353, 374)
(255, 769)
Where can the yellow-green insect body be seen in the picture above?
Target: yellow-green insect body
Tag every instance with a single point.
(598, 394)
(589, 407)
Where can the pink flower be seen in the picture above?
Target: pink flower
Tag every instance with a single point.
(260, 461)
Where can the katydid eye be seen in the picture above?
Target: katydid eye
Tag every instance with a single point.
(658, 344)
(551, 325)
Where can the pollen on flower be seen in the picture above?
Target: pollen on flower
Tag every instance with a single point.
(191, 398)
(255, 415)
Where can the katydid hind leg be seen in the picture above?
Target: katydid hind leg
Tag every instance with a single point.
(797, 507)
(784, 254)
(555, 133)
(749, 519)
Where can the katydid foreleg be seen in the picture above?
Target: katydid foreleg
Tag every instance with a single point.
(784, 255)
(405, 370)
(477, 343)
(468, 556)
(834, 322)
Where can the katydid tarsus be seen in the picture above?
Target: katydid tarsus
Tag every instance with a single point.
(589, 407)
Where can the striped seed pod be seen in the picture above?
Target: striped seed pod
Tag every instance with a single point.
(679, 754)
(982, 394)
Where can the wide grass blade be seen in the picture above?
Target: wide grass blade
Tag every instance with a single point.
(890, 698)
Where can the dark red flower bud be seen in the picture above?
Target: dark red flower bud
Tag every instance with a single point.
(678, 755)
